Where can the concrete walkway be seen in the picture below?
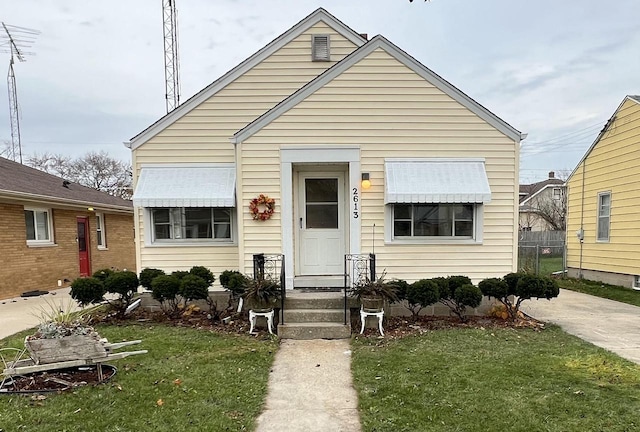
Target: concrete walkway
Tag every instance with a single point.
(311, 389)
(606, 323)
(22, 313)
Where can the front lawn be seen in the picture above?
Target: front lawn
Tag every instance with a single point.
(599, 289)
(190, 380)
(494, 380)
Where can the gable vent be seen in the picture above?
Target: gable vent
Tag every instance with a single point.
(320, 48)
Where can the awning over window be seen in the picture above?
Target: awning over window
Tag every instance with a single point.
(188, 186)
(436, 181)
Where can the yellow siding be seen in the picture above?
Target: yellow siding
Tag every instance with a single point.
(387, 110)
(202, 135)
(611, 166)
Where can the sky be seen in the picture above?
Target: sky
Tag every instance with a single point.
(556, 70)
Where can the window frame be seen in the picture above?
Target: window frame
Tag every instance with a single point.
(35, 242)
(553, 193)
(600, 217)
(151, 240)
(476, 238)
(101, 232)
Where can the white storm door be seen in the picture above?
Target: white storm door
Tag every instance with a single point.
(321, 227)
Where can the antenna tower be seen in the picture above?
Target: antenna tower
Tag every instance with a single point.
(171, 64)
(14, 40)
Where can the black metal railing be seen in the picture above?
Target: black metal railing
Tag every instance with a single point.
(271, 267)
(358, 269)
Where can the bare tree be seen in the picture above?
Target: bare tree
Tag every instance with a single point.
(96, 170)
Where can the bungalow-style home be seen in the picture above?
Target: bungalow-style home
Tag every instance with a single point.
(603, 227)
(543, 205)
(324, 144)
(54, 231)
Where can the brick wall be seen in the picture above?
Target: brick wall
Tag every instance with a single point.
(24, 268)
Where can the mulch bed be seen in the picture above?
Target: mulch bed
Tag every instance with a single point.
(57, 380)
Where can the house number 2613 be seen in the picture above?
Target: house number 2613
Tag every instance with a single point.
(355, 198)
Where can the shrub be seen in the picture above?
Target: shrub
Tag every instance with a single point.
(203, 273)
(194, 287)
(165, 289)
(515, 288)
(103, 274)
(419, 295)
(124, 284)
(261, 293)
(87, 290)
(179, 274)
(458, 293)
(378, 288)
(148, 275)
(233, 281)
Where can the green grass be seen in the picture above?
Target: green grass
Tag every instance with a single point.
(223, 386)
(494, 380)
(550, 265)
(599, 289)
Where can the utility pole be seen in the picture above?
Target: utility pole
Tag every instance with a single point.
(171, 63)
(16, 39)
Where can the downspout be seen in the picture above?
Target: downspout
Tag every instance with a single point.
(584, 164)
(239, 215)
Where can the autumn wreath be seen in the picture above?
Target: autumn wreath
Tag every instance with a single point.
(262, 207)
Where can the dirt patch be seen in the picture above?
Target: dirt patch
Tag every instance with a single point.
(57, 380)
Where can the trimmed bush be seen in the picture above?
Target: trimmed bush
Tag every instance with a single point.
(148, 275)
(515, 288)
(87, 291)
(165, 289)
(233, 281)
(458, 294)
(125, 285)
(194, 287)
(204, 273)
(179, 274)
(420, 294)
(102, 274)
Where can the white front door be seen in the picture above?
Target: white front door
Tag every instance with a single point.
(321, 227)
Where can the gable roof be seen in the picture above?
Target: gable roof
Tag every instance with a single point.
(353, 58)
(633, 98)
(315, 17)
(529, 191)
(22, 182)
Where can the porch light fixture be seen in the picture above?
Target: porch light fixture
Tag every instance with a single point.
(366, 183)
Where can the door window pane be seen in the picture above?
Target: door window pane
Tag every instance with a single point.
(321, 190)
(322, 216)
(82, 240)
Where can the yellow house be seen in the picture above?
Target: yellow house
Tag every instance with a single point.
(362, 149)
(602, 220)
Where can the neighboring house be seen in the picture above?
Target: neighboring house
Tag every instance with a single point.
(603, 240)
(543, 205)
(304, 121)
(54, 231)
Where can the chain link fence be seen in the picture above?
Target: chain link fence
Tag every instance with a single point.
(542, 253)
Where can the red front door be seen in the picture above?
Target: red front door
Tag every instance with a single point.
(83, 246)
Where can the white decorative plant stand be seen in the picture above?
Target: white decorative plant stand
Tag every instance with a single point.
(253, 315)
(366, 313)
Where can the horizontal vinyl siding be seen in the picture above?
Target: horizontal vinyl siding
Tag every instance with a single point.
(202, 135)
(388, 111)
(611, 166)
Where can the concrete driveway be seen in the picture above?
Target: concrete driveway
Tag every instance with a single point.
(18, 314)
(606, 323)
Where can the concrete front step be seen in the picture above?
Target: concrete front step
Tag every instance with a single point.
(313, 315)
(314, 331)
(321, 300)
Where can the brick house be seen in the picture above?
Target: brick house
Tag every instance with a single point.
(53, 231)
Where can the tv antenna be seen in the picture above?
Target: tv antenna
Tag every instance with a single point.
(15, 41)
(171, 63)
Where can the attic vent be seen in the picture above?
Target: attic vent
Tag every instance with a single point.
(320, 48)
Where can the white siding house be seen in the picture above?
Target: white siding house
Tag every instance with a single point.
(304, 121)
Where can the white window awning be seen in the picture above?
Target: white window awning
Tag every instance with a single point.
(436, 181)
(186, 186)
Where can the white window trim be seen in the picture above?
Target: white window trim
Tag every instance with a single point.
(553, 193)
(608, 239)
(101, 227)
(42, 243)
(149, 240)
(636, 283)
(478, 224)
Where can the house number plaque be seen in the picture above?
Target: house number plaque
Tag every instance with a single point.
(355, 198)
